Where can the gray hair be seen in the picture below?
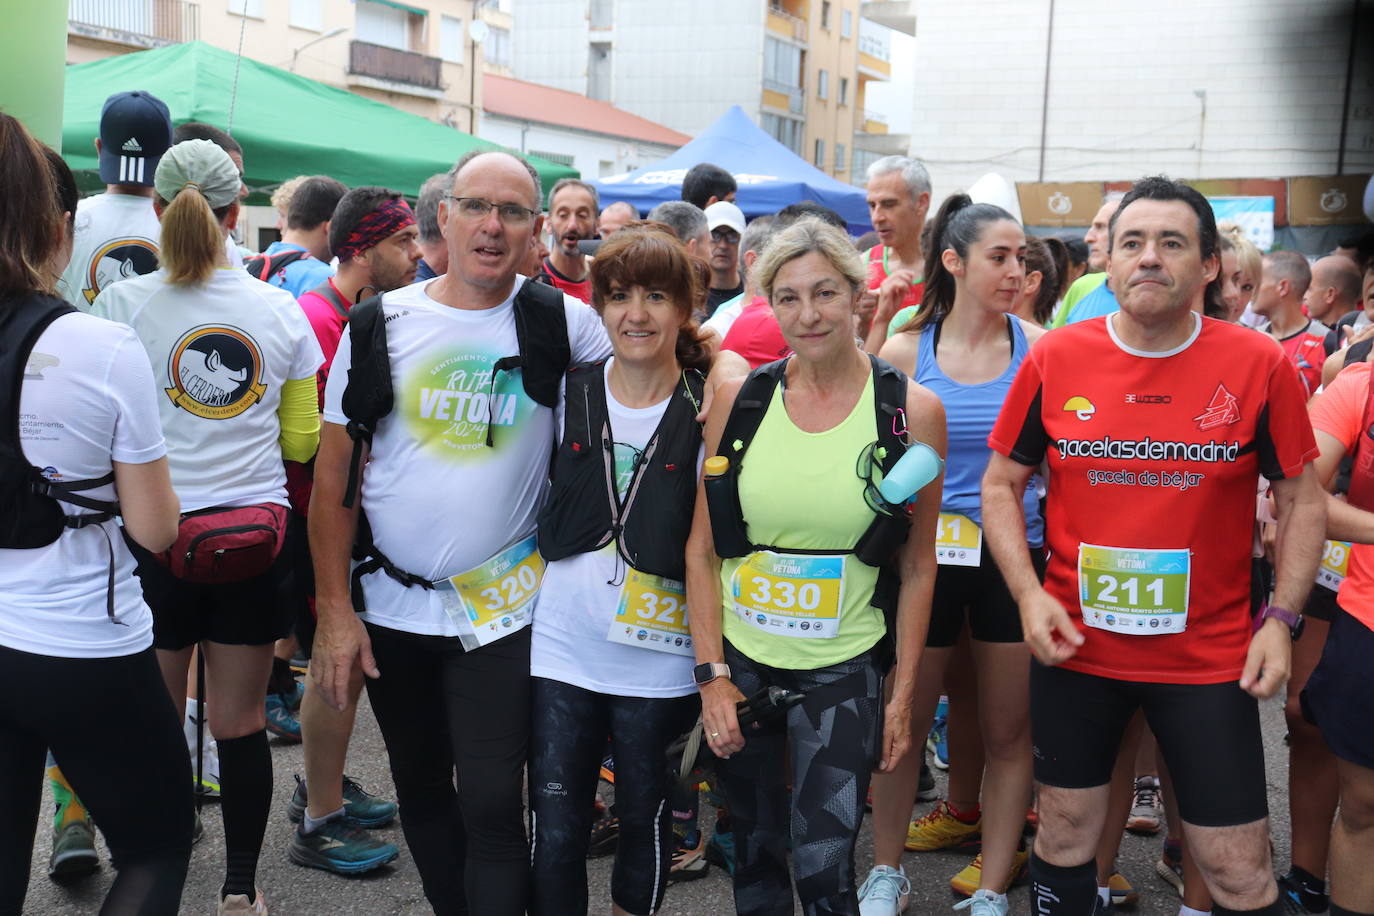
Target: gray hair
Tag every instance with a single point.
(755, 239)
(913, 173)
(805, 236)
(688, 221)
(575, 183)
(534, 176)
(427, 206)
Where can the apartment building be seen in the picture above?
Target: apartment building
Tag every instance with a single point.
(800, 68)
(417, 56)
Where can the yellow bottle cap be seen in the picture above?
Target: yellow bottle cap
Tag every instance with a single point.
(717, 465)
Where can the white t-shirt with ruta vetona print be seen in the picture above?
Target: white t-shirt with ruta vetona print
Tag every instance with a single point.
(439, 500)
(220, 353)
(87, 400)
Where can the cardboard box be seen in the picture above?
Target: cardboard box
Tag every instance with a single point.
(1064, 203)
(1326, 201)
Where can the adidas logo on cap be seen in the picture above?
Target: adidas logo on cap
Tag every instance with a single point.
(131, 146)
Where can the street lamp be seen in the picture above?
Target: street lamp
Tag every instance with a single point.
(316, 40)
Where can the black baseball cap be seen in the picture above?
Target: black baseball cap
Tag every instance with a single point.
(135, 130)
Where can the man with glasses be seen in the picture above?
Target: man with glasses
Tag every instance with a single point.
(450, 484)
(726, 222)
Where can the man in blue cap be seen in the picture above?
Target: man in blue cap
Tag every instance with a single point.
(116, 233)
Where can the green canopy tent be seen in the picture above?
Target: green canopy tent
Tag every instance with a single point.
(288, 125)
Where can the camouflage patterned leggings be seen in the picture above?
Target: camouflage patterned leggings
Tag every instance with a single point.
(832, 740)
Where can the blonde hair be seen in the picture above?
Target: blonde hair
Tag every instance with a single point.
(806, 236)
(1248, 256)
(281, 197)
(192, 237)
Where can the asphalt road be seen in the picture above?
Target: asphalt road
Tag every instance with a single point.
(291, 890)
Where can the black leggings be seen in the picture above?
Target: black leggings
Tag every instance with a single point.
(114, 732)
(567, 739)
(440, 709)
(833, 741)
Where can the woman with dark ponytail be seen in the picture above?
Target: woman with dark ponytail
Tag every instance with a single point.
(966, 345)
(1046, 260)
(611, 653)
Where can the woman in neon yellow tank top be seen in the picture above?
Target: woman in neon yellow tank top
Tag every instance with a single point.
(799, 615)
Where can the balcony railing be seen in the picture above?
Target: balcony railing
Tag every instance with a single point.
(394, 65)
(874, 47)
(146, 23)
(796, 96)
(877, 117)
(793, 26)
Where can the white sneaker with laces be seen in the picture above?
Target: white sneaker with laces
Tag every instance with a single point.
(985, 903)
(884, 892)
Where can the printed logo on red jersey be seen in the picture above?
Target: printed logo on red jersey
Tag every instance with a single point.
(1081, 407)
(1222, 410)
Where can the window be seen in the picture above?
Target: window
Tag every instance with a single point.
(822, 84)
(600, 15)
(305, 14)
(381, 24)
(839, 157)
(782, 63)
(858, 165)
(846, 24)
(251, 8)
(820, 154)
(786, 131)
(599, 71)
(825, 14)
(451, 39)
(497, 47)
(844, 90)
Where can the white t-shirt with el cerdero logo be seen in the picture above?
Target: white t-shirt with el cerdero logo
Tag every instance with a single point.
(440, 502)
(220, 353)
(116, 238)
(87, 400)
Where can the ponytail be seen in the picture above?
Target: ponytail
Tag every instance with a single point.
(693, 348)
(958, 224)
(192, 241)
(1040, 256)
(30, 222)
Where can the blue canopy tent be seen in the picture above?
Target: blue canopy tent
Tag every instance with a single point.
(770, 176)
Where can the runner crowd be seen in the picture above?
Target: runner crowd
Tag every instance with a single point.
(559, 485)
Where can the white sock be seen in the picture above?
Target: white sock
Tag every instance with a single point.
(310, 824)
(1105, 895)
(1185, 910)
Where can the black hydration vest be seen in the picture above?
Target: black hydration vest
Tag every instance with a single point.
(544, 354)
(584, 512)
(31, 515)
(879, 544)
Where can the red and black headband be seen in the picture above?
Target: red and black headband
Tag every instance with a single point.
(391, 216)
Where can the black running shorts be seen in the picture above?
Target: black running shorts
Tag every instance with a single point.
(980, 595)
(1209, 734)
(1339, 697)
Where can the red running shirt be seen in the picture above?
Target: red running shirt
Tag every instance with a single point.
(877, 273)
(578, 289)
(1208, 419)
(755, 335)
(1306, 350)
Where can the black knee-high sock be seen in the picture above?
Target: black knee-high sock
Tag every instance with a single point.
(245, 772)
(1062, 891)
(1273, 909)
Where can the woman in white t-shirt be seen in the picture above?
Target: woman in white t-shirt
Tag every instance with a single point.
(235, 360)
(77, 670)
(610, 651)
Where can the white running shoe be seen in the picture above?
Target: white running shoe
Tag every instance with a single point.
(884, 892)
(985, 903)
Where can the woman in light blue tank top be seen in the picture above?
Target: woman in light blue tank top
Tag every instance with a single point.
(966, 346)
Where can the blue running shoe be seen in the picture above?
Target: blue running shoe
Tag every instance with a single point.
(720, 850)
(361, 809)
(937, 742)
(340, 847)
(280, 720)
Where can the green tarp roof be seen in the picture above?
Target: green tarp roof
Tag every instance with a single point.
(288, 125)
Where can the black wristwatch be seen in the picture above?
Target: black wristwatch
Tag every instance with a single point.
(706, 673)
(1295, 622)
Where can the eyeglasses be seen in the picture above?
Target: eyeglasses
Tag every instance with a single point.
(870, 462)
(475, 208)
(728, 236)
